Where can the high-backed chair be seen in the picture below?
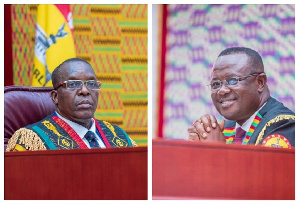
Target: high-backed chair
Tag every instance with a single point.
(23, 106)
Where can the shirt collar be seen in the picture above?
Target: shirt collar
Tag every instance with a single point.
(246, 126)
(79, 129)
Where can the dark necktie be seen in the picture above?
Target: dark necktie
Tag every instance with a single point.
(239, 135)
(91, 138)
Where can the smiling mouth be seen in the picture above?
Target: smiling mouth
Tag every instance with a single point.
(226, 103)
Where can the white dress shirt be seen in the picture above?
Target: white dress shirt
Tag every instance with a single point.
(81, 131)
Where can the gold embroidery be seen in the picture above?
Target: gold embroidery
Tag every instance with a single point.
(61, 140)
(112, 129)
(274, 120)
(120, 143)
(65, 142)
(28, 137)
(51, 127)
(116, 140)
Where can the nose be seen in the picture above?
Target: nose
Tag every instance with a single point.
(84, 90)
(224, 89)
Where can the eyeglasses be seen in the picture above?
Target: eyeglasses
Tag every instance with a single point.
(77, 84)
(215, 85)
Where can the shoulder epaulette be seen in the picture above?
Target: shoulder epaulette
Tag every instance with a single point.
(28, 138)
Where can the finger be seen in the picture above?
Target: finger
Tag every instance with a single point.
(213, 121)
(193, 137)
(200, 129)
(206, 123)
(195, 122)
(222, 125)
(192, 130)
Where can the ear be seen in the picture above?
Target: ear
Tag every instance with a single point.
(54, 97)
(261, 82)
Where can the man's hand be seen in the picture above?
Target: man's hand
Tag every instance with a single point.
(207, 129)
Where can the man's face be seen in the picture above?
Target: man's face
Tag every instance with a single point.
(80, 104)
(238, 102)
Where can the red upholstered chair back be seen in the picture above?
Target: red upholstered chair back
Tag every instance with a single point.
(23, 106)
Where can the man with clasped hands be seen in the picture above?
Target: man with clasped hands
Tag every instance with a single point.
(241, 95)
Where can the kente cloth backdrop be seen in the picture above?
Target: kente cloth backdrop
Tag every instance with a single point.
(113, 39)
(196, 34)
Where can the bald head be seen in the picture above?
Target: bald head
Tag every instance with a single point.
(60, 71)
(78, 103)
(254, 59)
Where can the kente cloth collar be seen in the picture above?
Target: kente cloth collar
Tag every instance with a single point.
(246, 126)
(79, 129)
(229, 132)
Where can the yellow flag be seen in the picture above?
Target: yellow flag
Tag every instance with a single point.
(54, 41)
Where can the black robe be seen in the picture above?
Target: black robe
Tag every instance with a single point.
(276, 127)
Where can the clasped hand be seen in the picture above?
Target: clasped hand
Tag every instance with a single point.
(207, 129)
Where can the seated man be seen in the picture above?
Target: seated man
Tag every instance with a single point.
(240, 94)
(72, 125)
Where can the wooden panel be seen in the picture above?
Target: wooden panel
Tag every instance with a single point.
(117, 173)
(187, 170)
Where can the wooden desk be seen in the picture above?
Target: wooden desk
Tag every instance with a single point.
(187, 170)
(116, 173)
